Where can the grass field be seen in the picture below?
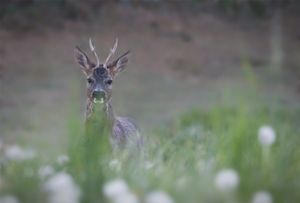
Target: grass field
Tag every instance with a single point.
(182, 160)
(217, 100)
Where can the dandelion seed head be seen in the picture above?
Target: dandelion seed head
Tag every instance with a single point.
(16, 153)
(227, 180)
(115, 188)
(62, 189)
(158, 197)
(266, 135)
(128, 197)
(262, 197)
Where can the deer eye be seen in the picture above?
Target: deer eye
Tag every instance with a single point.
(109, 82)
(90, 80)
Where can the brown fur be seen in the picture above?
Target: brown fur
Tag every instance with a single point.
(124, 130)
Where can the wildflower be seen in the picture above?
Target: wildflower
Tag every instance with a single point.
(62, 159)
(8, 199)
(62, 189)
(262, 197)
(128, 197)
(16, 153)
(115, 188)
(266, 135)
(227, 180)
(158, 197)
(117, 191)
(46, 171)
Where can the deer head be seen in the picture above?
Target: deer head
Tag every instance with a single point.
(100, 76)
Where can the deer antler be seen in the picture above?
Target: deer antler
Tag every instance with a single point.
(112, 51)
(92, 47)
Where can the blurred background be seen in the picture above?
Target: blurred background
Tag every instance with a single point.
(184, 54)
(213, 84)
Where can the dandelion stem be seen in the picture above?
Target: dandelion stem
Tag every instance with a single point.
(266, 158)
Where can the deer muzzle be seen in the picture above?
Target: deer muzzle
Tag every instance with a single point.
(99, 96)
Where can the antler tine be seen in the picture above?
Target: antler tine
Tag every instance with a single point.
(92, 47)
(112, 51)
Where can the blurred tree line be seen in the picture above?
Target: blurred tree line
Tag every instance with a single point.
(29, 13)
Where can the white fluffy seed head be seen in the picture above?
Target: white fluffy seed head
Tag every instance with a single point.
(62, 189)
(158, 197)
(266, 135)
(262, 197)
(128, 197)
(227, 180)
(115, 188)
(16, 153)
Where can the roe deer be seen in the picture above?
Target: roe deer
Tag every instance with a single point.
(100, 77)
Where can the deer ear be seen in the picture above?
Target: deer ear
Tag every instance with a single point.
(83, 60)
(118, 65)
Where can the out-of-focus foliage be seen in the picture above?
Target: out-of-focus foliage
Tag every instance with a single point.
(194, 160)
(30, 13)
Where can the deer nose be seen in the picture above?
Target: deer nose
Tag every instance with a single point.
(98, 95)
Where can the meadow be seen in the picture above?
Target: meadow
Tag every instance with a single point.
(216, 97)
(244, 153)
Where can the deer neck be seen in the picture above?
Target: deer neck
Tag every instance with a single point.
(110, 112)
(106, 110)
(99, 118)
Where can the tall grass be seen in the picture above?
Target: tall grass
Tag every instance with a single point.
(181, 159)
